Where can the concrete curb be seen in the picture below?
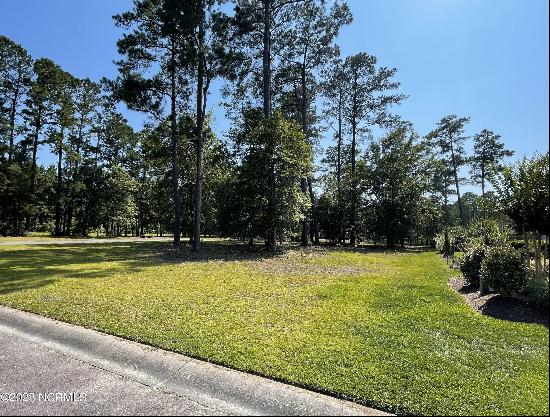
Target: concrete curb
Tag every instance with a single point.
(236, 392)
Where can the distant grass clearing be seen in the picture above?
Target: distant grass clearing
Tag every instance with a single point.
(382, 328)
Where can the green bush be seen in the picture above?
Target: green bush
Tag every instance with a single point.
(456, 236)
(518, 244)
(504, 269)
(470, 263)
(440, 242)
(45, 227)
(536, 289)
(488, 232)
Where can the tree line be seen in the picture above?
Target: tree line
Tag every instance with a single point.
(286, 86)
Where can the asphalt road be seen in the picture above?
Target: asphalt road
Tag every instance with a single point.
(38, 374)
(53, 368)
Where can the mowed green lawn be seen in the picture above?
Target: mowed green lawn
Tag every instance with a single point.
(381, 328)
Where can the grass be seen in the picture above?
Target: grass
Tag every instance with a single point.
(30, 236)
(47, 236)
(381, 328)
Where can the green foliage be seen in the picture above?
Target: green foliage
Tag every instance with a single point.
(482, 232)
(266, 147)
(15, 75)
(448, 140)
(504, 270)
(470, 263)
(536, 289)
(489, 152)
(524, 194)
(117, 205)
(488, 232)
(396, 181)
(440, 242)
(307, 48)
(456, 239)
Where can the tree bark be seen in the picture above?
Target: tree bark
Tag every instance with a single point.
(266, 59)
(526, 243)
(304, 181)
(271, 238)
(59, 183)
(447, 244)
(13, 112)
(315, 216)
(174, 151)
(353, 235)
(455, 172)
(304, 241)
(538, 255)
(201, 100)
(341, 236)
(483, 180)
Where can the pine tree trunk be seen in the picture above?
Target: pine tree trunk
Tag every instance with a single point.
(455, 172)
(59, 184)
(271, 235)
(314, 213)
(37, 127)
(201, 100)
(527, 254)
(305, 128)
(13, 110)
(538, 257)
(341, 237)
(174, 152)
(545, 251)
(305, 220)
(353, 236)
(304, 181)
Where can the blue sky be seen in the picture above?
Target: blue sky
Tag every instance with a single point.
(487, 59)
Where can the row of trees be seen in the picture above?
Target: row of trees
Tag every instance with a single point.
(405, 183)
(107, 176)
(286, 86)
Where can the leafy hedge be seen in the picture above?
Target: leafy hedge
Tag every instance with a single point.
(504, 269)
(536, 289)
(470, 263)
(483, 232)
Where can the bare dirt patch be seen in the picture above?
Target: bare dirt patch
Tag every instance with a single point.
(494, 305)
(295, 266)
(288, 260)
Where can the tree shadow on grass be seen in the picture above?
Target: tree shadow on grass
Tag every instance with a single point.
(371, 248)
(511, 309)
(28, 267)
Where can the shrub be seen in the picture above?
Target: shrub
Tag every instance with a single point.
(456, 240)
(470, 264)
(504, 269)
(440, 242)
(536, 289)
(45, 227)
(457, 236)
(517, 244)
(488, 232)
